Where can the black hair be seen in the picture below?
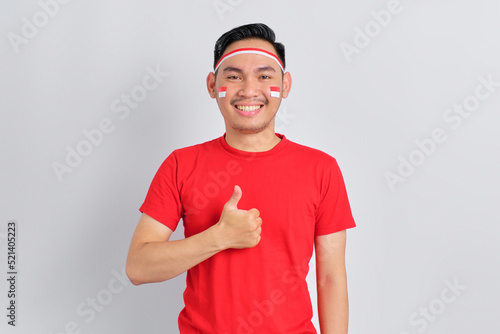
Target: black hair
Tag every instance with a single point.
(248, 31)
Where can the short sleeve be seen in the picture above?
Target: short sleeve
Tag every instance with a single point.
(163, 200)
(334, 211)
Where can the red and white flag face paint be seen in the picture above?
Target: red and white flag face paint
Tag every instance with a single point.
(222, 92)
(275, 91)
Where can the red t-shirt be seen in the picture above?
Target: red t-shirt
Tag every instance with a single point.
(300, 194)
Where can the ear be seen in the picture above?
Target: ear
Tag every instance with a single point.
(211, 84)
(287, 84)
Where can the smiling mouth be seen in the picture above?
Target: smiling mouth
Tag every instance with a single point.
(248, 108)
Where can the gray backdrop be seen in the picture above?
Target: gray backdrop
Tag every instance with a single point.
(405, 94)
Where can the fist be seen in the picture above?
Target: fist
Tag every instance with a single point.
(239, 228)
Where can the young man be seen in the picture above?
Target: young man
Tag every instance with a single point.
(253, 205)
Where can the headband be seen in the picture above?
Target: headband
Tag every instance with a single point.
(250, 50)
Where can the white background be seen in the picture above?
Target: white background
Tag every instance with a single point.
(436, 227)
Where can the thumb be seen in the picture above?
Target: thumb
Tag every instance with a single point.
(235, 198)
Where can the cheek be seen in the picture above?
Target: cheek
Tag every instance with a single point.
(274, 92)
(221, 92)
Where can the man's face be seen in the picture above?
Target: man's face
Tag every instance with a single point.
(248, 106)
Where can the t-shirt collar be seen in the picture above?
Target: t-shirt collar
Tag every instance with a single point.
(245, 154)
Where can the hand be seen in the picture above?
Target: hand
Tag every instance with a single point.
(238, 228)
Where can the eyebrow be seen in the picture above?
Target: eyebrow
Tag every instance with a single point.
(259, 69)
(232, 69)
(265, 68)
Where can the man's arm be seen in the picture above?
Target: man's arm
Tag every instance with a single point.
(331, 278)
(153, 257)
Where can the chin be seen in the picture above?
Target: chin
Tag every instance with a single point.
(251, 128)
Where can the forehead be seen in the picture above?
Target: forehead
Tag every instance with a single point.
(250, 59)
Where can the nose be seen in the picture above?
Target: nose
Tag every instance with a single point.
(250, 88)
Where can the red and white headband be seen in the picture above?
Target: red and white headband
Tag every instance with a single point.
(250, 50)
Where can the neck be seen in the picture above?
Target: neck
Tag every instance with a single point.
(252, 142)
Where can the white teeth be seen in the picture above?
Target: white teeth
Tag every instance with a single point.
(248, 108)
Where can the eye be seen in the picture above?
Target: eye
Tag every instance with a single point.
(233, 77)
(265, 77)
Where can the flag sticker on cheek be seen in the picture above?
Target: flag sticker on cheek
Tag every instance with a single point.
(222, 92)
(275, 91)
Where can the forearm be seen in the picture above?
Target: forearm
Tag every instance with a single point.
(162, 260)
(333, 306)
(153, 257)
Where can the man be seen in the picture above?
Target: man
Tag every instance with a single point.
(253, 205)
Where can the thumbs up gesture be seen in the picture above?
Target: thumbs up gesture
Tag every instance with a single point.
(238, 228)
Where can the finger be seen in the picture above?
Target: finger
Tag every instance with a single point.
(254, 212)
(235, 198)
(259, 230)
